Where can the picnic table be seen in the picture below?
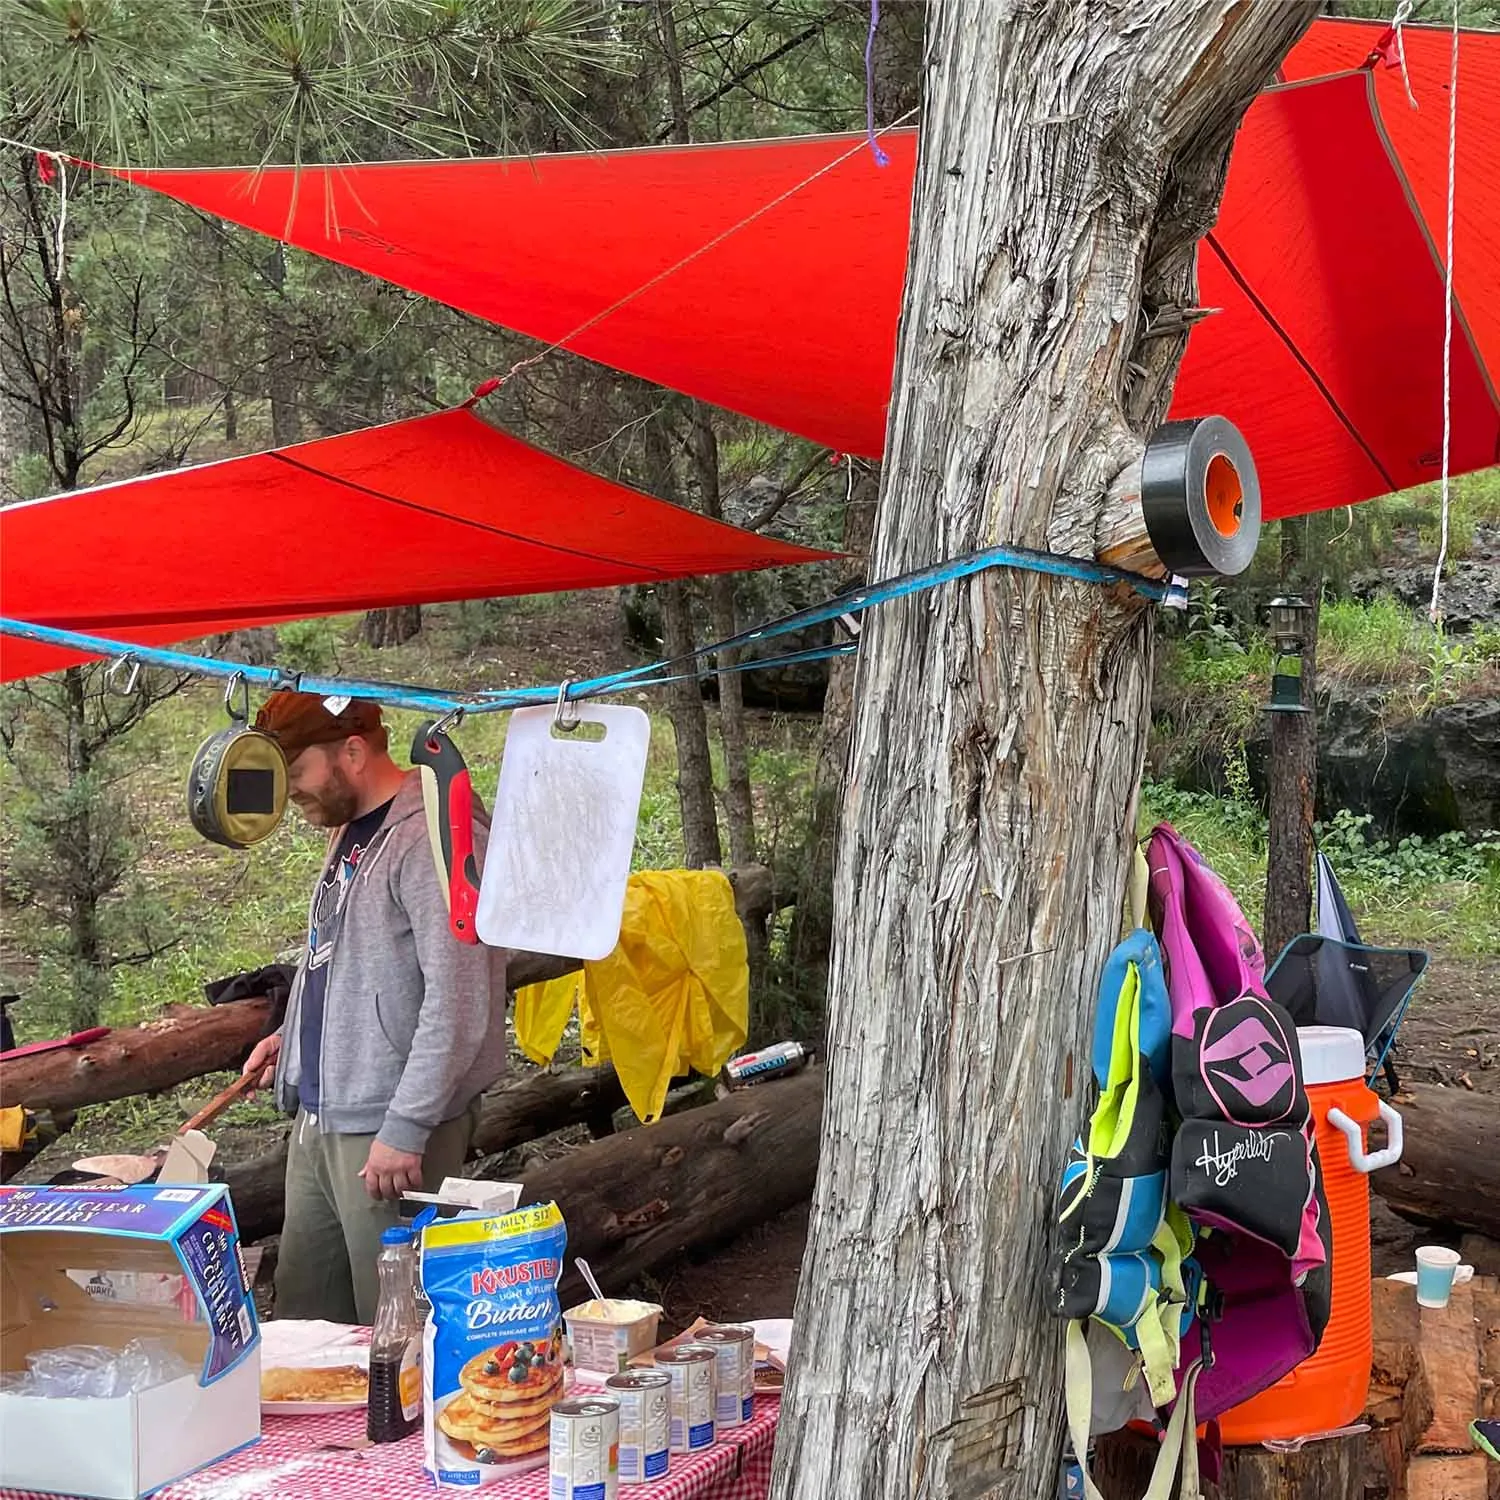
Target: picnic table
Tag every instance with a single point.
(311, 1458)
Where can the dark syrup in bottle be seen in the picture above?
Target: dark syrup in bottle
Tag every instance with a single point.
(392, 1412)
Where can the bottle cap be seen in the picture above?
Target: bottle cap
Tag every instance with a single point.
(397, 1234)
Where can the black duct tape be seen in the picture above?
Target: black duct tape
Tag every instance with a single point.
(1201, 497)
(237, 787)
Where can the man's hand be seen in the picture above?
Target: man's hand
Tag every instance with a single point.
(261, 1064)
(389, 1173)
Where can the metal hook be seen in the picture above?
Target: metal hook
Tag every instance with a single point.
(237, 681)
(452, 719)
(561, 719)
(112, 675)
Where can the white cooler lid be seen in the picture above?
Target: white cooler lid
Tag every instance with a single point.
(1331, 1054)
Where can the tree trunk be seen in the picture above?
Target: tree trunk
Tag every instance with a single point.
(393, 627)
(1449, 1171)
(1070, 159)
(739, 807)
(695, 771)
(811, 938)
(1293, 778)
(281, 386)
(1333, 1469)
(703, 448)
(74, 844)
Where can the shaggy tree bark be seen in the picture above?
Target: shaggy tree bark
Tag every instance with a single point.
(1071, 158)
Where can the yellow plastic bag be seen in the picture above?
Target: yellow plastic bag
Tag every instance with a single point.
(12, 1128)
(674, 994)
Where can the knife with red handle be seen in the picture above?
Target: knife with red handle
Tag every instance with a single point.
(450, 823)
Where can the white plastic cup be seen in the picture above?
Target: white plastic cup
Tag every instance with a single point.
(1436, 1265)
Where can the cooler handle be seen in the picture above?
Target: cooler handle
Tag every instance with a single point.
(1360, 1159)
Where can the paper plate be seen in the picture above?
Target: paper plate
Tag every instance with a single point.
(326, 1359)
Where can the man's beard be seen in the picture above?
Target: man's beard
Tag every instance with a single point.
(334, 806)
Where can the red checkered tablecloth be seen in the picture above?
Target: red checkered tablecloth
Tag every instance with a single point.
(293, 1461)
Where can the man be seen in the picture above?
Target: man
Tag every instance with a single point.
(393, 1027)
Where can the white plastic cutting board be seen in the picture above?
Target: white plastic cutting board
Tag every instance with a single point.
(563, 832)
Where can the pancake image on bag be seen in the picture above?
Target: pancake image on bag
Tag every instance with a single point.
(494, 1356)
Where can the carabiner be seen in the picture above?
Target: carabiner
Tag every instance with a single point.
(112, 675)
(237, 681)
(561, 719)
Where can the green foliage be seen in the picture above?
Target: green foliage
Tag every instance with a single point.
(1441, 893)
(30, 476)
(321, 80)
(308, 645)
(1349, 843)
(1210, 630)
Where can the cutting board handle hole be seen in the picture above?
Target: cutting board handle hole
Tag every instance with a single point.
(588, 730)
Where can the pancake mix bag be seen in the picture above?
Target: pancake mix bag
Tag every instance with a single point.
(494, 1343)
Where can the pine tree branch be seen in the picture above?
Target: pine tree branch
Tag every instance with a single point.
(745, 74)
(788, 492)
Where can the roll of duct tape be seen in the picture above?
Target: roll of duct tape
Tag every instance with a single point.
(237, 787)
(1201, 497)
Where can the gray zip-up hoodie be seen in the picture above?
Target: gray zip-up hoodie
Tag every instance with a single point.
(413, 1019)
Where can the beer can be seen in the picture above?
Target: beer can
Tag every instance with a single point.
(645, 1398)
(583, 1449)
(775, 1061)
(736, 1372)
(693, 1368)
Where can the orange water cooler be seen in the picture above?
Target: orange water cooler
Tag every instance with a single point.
(1328, 1390)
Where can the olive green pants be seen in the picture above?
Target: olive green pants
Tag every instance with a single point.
(330, 1239)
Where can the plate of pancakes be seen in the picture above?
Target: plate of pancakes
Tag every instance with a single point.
(501, 1412)
(334, 1380)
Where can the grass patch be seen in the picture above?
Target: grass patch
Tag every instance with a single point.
(1379, 642)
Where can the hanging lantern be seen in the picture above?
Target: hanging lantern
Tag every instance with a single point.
(1288, 617)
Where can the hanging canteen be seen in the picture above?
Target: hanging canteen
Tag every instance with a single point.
(237, 785)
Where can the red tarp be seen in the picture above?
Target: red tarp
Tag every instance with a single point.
(438, 507)
(1328, 352)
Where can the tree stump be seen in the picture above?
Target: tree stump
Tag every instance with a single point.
(1330, 1470)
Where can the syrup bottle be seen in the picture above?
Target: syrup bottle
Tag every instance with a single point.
(395, 1405)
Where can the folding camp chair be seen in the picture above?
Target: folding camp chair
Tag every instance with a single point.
(1330, 978)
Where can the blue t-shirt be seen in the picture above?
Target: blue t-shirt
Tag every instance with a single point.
(322, 937)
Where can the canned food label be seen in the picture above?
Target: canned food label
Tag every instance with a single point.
(735, 1376)
(645, 1430)
(692, 1405)
(583, 1453)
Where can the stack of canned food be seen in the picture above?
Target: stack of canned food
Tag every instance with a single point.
(695, 1393)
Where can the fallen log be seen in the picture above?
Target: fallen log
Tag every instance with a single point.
(637, 1200)
(136, 1059)
(1449, 1171)
(510, 1115)
(641, 1198)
